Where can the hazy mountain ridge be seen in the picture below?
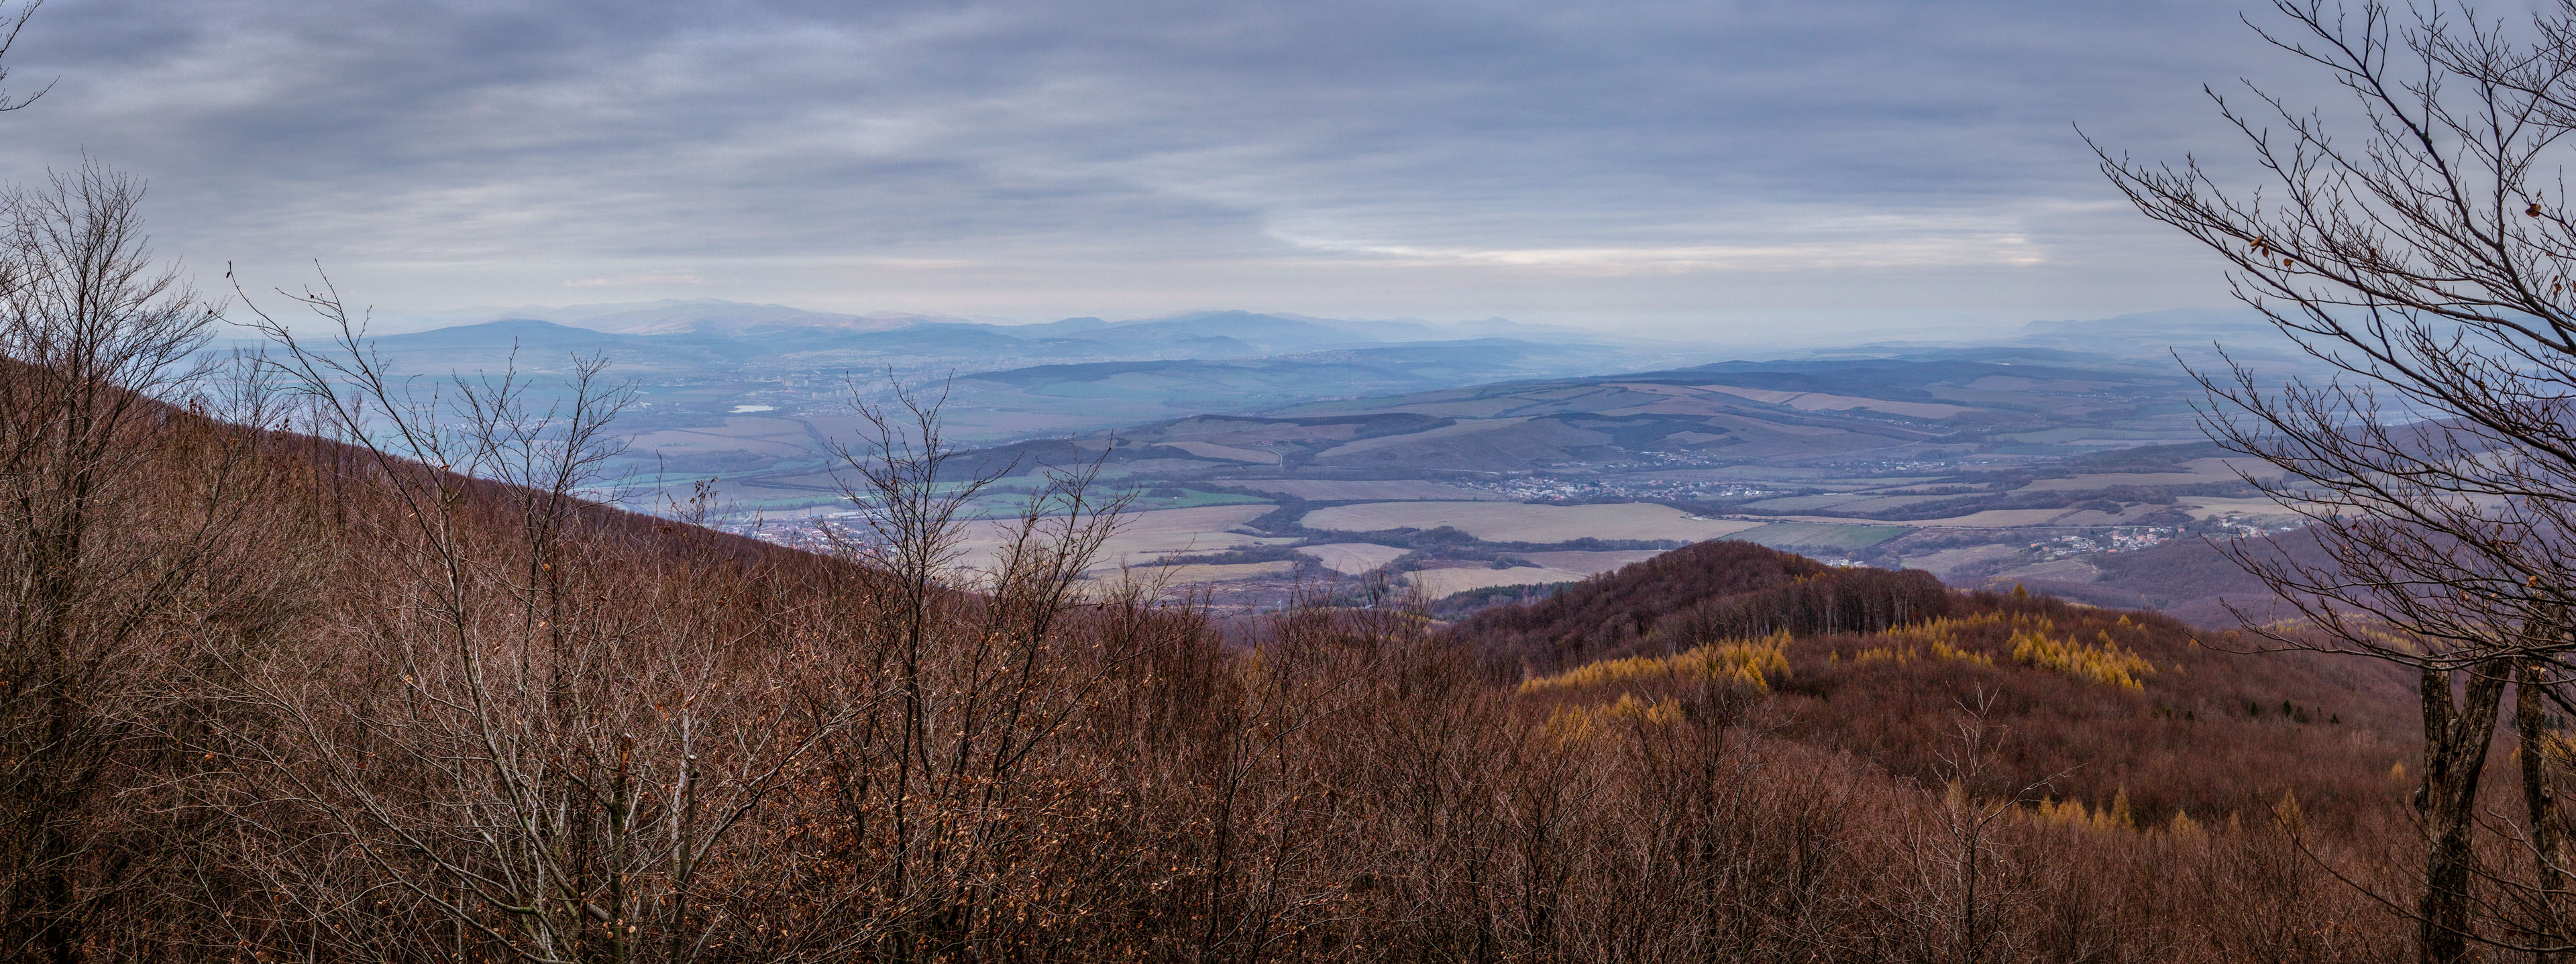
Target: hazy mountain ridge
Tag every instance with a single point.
(709, 317)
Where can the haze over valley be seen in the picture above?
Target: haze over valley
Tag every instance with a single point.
(1271, 455)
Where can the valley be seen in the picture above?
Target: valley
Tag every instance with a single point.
(1271, 456)
(1980, 464)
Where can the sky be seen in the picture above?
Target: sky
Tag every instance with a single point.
(1723, 168)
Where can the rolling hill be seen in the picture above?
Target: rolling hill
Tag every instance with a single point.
(2106, 703)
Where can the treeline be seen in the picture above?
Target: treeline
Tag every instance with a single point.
(1712, 590)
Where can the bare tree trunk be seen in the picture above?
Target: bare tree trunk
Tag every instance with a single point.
(2548, 829)
(2457, 733)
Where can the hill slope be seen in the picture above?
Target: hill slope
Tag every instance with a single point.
(2111, 703)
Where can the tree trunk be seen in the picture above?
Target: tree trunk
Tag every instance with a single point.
(2540, 804)
(2456, 736)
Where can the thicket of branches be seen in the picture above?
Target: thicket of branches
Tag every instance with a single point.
(2417, 241)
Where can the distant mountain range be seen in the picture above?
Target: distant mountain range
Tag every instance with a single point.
(795, 332)
(700, 340)
(699, 361)
(674, 335)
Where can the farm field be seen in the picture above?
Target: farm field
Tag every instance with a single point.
(1148, 501)
(1591, 562)
(1553, 567)
(1518, 522)
(1849, 538)
(1386, 490)
(1352, 558)
(2056, 570)
(2200, 472)
(1212, 450)
(1822, 402)
(1142, 538)
(1440, 583)
(2212, 508)
(1947, 564)
(1988, 519)
(1190, 574)
(1803, 503)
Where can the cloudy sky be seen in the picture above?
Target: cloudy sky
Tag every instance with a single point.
(1813, 166)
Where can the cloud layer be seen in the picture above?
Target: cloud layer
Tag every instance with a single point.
(1646, 163)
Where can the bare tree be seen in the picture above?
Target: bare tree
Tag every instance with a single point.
(108, 536)
(958, 669)
(528, 756)
(2418, 243)
(1951, 871)
(11, 22)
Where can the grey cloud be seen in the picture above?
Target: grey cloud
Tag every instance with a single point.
(992, 156)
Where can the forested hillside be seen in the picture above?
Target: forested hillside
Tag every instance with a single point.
(2101, 704)
(329, 702)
